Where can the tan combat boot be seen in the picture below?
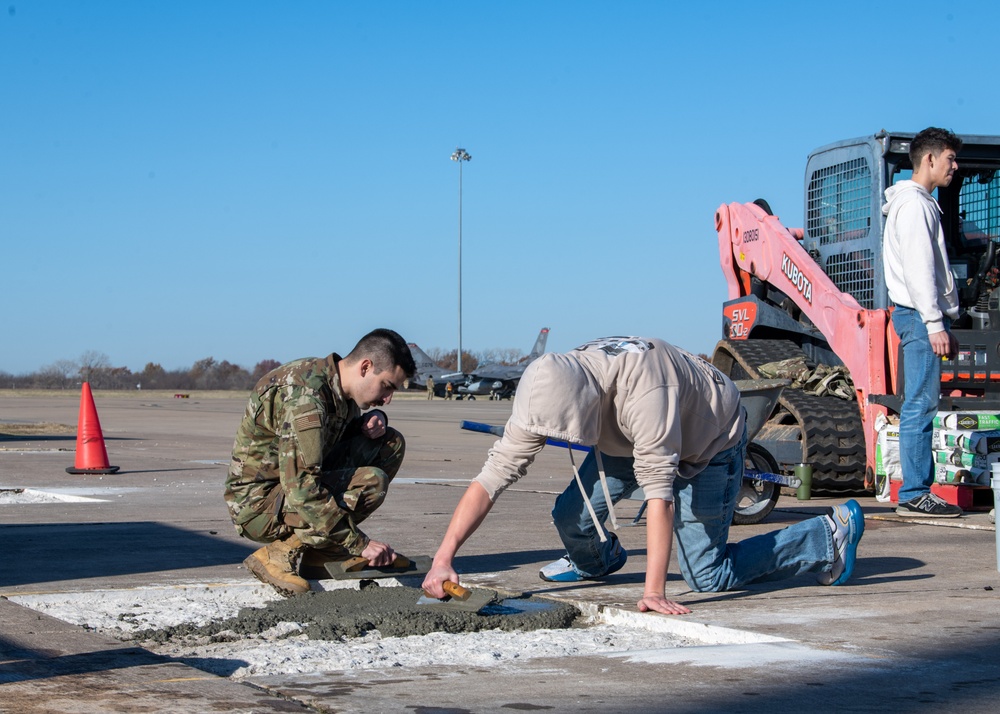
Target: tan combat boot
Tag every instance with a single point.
(275, 564)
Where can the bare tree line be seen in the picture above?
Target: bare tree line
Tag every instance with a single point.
(95, 367)
(472, 360)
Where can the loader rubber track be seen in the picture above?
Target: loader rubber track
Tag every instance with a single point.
(832, 433)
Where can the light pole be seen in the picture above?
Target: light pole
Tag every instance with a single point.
(460, 155)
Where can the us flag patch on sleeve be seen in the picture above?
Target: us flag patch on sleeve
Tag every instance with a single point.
(308, 421)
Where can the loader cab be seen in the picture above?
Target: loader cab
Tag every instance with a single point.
(970, 208)
(845, 192)
(845, 187)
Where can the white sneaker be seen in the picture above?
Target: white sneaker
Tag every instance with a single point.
(560, 571)
(848, 525)
(563, 570)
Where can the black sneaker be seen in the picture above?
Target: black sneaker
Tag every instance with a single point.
(928, 506)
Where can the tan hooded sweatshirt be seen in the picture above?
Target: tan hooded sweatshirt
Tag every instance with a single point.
(628, 396)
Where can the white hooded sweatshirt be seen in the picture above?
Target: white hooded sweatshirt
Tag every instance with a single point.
(628, 396)
(915, 257)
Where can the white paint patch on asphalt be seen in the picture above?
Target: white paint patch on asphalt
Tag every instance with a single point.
(805, 615)
(17, 496)
(754, 655)
(298, 654)
(20, 452)
(121, 613)
(427, 479)
(682, 627)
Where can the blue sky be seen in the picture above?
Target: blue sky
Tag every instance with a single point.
(260, 180)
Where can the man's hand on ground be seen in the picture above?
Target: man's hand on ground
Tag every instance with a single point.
(658, 603)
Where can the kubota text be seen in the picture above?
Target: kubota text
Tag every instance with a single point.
(797, 278)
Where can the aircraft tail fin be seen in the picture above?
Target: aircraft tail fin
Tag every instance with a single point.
(539, 349)
(421, 358)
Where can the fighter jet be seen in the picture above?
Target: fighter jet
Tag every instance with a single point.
(498, 380)
(426, 367)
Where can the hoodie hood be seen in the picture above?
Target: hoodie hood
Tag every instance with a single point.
(539, 410)
(902, 191)
(915, 255)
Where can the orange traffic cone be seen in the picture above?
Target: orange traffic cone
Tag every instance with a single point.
(91, 456)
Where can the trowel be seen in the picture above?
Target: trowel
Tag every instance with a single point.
(358, 568)
(458, 598)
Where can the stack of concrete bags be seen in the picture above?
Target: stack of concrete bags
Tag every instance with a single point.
(967, 444)
(887, 467)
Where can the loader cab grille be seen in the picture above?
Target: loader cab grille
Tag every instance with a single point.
(839, 202)
(854, 273)
(839, 218)
(979, 210)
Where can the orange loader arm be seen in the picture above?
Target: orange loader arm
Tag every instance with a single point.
(754, 243)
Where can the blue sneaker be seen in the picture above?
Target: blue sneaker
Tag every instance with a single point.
(848, 524)
(563, 570)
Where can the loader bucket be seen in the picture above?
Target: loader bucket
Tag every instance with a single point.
(758, 397)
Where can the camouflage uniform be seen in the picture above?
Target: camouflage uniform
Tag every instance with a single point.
(301, 463)
(822, 381)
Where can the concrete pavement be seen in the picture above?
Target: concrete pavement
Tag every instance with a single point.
(917, 628)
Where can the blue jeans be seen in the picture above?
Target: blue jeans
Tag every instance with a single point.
(703, 511)
(921, 391)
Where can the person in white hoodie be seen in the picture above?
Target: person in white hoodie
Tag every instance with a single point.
(920, 284)
(664, 420)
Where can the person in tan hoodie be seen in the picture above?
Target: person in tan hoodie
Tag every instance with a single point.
(664, 420)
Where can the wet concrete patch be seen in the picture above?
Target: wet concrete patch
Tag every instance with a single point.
(191, 620)
(391, 611)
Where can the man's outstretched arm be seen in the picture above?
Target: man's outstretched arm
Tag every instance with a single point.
(468, 515)
(659, 543)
